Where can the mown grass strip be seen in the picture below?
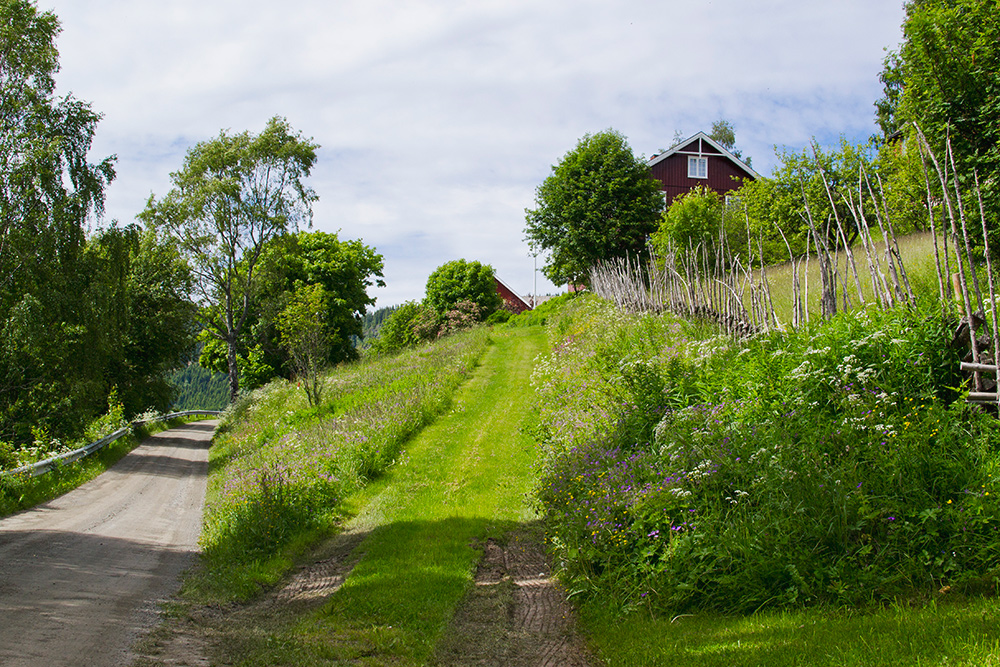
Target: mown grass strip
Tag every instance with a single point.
(279, 470)
(960, 632)
(466, 478)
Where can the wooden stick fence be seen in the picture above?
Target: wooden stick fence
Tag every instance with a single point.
(710, 282)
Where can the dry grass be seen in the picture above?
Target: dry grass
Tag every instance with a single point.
(917, 251)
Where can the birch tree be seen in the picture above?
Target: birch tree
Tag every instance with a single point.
(232, 196)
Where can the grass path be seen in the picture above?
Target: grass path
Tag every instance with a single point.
(466, 479)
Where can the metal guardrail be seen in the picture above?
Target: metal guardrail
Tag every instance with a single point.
(42, 467)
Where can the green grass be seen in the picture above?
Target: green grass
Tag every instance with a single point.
(23, 492)
(917, 251)
(280, 470)
(961, 632)
(463, 479)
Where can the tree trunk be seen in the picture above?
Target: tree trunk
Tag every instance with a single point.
(234, 370)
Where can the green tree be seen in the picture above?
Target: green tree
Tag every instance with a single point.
(828, 187)
(48, 191)
(233, 195)
(346, 269)
(462, 280)
(398, 331)
(306, 336)
(694, 219)
(142, 320)
(944, 78)
(598, 203)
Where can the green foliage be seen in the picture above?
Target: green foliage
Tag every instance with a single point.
(51, 374)
(344, 269)
(399, 329)
(694, 219)
(281, 468)
(501, 316)
(461, 280)
(372, 322)
(460, 294)
(540, 314)
(944, 78)
(599, 202)
(831, 465)
(304, 333)
(233, 195)
(199, 388)
(724, 133)
(143, 322)
(823, 186)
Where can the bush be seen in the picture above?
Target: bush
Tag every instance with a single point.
(832, 465)
(463, 281)
(404, 327)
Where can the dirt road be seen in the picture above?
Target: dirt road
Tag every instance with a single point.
(80, 577)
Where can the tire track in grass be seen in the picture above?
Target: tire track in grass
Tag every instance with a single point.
(467, 481)
(386, 589)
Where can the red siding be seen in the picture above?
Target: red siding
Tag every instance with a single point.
(672, 174)
(512, 301)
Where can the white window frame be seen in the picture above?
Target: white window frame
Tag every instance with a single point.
(697, 166)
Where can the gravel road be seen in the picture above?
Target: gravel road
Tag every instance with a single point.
(81, 576)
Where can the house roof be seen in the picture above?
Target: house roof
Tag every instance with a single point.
(682, 148)
(512, 291)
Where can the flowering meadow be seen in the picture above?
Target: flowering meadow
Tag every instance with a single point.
(280, 469)
(836, 464)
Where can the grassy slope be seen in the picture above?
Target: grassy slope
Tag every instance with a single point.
(467, 478)
(946, 633)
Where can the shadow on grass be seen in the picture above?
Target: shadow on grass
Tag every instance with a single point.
(394, 604)
(955, 632)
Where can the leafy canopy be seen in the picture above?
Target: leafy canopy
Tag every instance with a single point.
(599, 202)
(693, 219)
(462, 280)
(232, 196)
(306, 336)
(944, 78)
(66, 302)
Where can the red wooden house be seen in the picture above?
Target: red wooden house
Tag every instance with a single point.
(512, 301)
(699, 161)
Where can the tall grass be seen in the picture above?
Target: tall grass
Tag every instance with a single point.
(280, 469)
(828, 465)
(916, 250)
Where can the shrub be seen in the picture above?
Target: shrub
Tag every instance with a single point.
(463, 281)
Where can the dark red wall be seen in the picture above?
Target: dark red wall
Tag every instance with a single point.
(672, 173)
(513, 302)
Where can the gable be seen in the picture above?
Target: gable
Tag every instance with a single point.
(699, 161)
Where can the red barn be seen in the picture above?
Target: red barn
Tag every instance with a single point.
(699, 161)
(512, 301)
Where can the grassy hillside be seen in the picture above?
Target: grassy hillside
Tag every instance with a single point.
(415, 460)
(832, 468)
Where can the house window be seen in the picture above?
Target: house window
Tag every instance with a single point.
(697, 167)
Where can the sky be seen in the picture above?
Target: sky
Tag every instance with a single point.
(437, 120)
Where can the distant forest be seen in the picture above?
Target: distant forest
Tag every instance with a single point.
(372, 323)
(199, 389)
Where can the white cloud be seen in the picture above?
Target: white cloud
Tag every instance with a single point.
(437, 119)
